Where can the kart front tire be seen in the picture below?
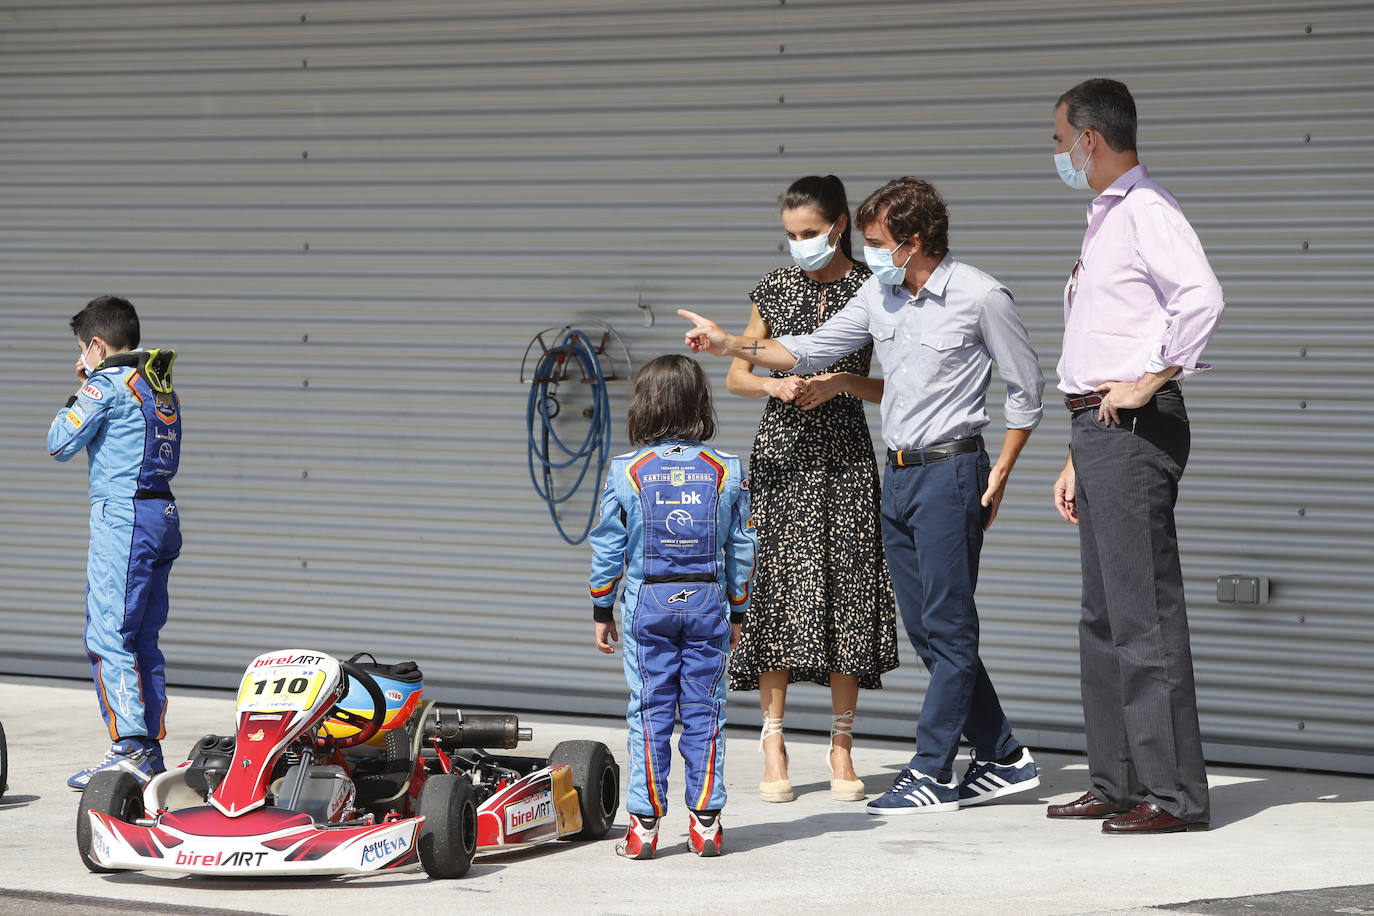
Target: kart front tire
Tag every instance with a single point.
(116, 793)
(597, 780)
(4, 763)
(448, 837)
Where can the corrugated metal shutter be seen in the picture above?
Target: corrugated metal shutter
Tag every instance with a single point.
(351, 217)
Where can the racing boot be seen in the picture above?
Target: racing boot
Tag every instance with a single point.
(155, 760)
(641, 839)
(139, 756)
(704, 834)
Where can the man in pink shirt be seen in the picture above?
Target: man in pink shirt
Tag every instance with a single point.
(1140, 305)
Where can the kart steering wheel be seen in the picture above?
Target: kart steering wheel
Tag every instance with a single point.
(368, 726)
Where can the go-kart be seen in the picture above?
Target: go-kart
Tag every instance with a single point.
(340, 767)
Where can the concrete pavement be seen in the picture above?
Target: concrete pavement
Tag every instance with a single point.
(1274, 832)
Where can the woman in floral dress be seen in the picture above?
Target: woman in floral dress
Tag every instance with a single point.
(822, 607)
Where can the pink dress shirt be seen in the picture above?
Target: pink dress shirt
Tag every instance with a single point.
(1142, 296)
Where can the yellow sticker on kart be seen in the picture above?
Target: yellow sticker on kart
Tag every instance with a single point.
(285, 688)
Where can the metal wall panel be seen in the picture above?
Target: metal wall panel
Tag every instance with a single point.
(350, 217)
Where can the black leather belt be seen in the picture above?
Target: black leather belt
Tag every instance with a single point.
(145, 493)
(1077, 402)
(915, 457)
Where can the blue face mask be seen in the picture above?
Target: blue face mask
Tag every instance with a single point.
(1073, 177)
(880, 262)
(813, 253)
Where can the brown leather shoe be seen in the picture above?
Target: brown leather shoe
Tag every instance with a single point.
(1086, 807)
(1147, 817)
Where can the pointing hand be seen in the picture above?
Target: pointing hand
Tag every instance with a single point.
(705, 335)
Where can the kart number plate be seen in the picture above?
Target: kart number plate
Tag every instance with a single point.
(287, 687)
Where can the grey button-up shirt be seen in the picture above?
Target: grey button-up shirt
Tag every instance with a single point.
(936, 349)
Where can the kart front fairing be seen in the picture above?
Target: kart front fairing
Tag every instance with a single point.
(266, 841)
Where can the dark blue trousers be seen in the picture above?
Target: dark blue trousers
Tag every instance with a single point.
(933, 534)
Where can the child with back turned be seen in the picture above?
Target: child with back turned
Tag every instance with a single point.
(126, 417)
(675, 525)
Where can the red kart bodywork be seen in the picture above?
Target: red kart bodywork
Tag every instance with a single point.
(287, 801)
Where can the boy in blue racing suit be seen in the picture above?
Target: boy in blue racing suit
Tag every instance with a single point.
(675, 524)
(126, 417)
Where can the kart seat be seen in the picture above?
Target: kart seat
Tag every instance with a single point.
(378, 776)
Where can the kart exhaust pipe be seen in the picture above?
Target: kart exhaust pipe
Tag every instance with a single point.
(456, 729)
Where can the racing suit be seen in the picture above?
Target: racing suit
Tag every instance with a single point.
(127, 418)
(675, 523)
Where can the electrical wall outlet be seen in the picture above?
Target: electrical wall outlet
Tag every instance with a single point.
(1243, 590)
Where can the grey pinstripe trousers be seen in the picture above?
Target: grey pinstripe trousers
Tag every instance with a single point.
(1139, 700)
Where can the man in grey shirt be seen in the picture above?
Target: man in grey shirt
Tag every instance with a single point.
(937, 325)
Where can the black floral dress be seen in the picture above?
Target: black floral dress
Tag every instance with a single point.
(822, 600)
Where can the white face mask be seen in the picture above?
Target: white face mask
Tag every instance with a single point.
(1075, 178)
(813, 253)
(85, 365)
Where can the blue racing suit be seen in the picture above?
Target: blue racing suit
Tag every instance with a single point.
(127, 418)
(675, 523)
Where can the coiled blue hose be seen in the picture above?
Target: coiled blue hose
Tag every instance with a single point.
(543, 407)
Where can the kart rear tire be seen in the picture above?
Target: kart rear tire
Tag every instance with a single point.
(116, 793)
(448, 838)
(597, 779)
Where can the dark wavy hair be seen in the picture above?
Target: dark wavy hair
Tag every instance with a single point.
(1105, 106)
(670, 399)
(826, 196)
(909, 206)
(110, 318)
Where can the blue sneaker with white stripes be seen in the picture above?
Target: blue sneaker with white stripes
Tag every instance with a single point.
(916, 793)
(988, 779)
(139, 756)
